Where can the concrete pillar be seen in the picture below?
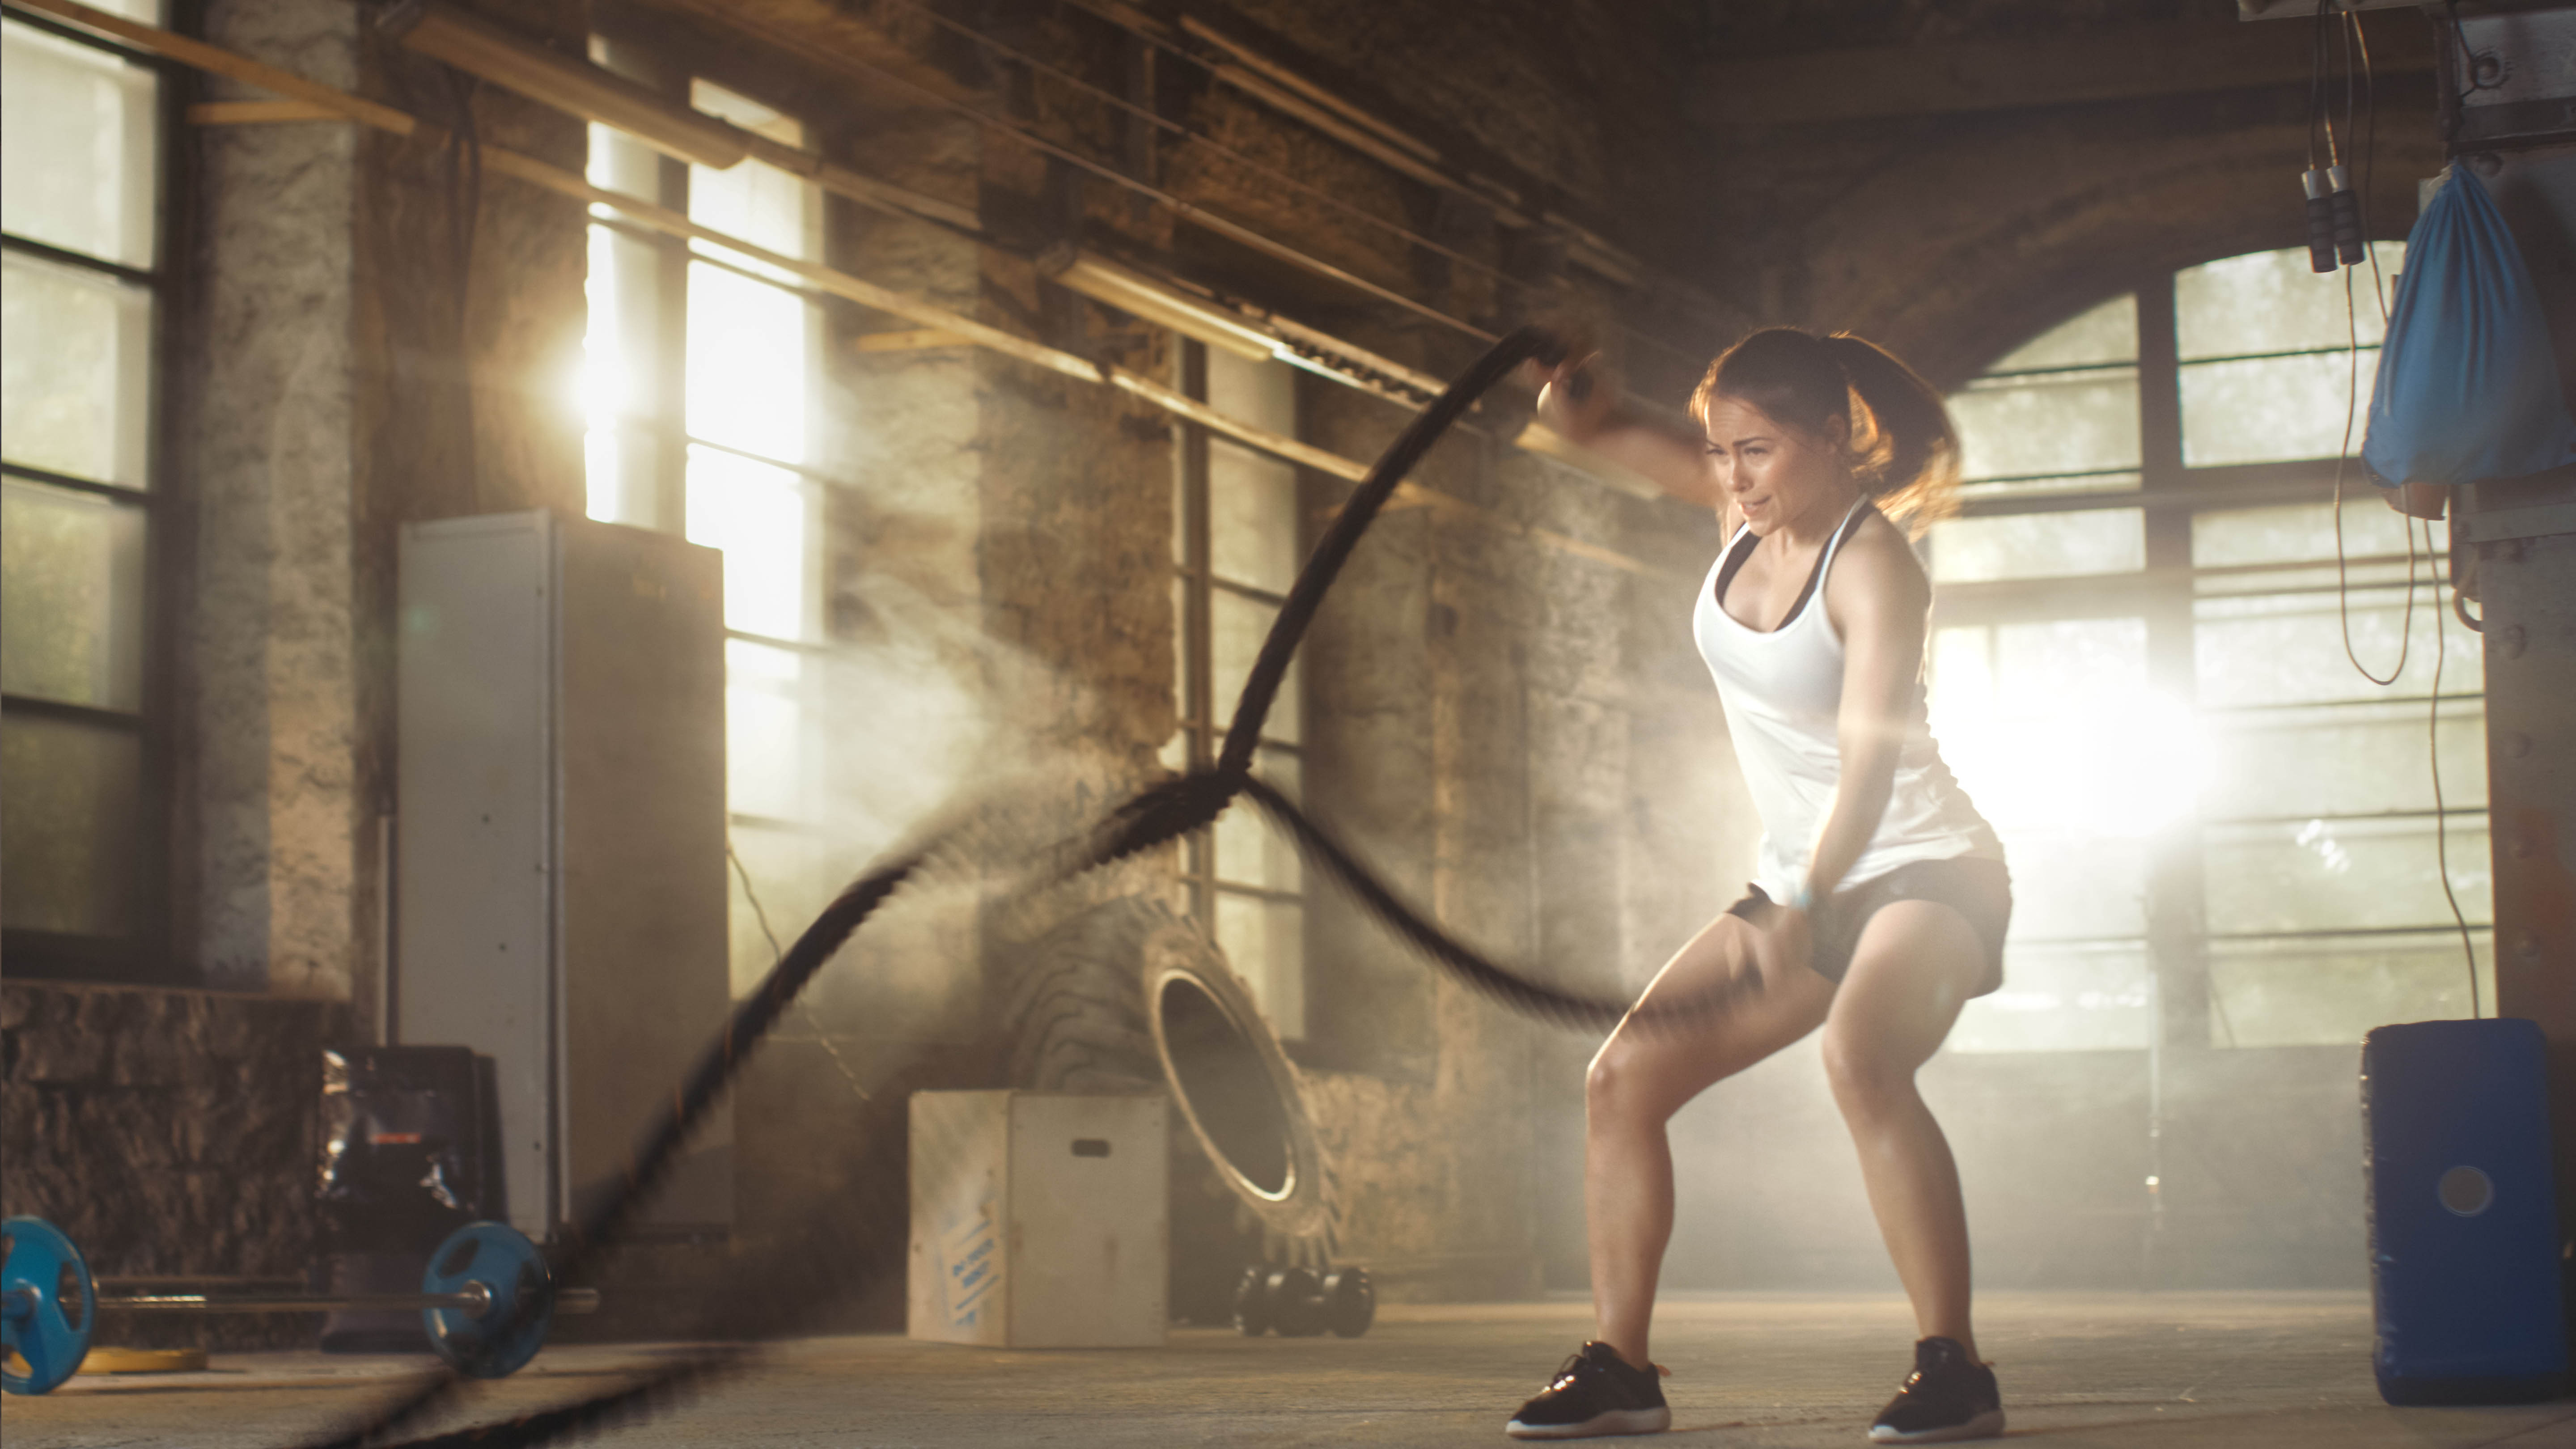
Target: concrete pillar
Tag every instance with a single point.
(354, 379)
(269, 688)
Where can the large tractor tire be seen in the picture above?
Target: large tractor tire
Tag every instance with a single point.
(1129, 996)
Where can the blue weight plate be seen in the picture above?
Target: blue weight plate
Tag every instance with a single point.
(48, 1339)
(511, 1331)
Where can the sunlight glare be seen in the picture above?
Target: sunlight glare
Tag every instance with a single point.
(601, 384)
(756, 514)
(2118, 761)
(748, 361)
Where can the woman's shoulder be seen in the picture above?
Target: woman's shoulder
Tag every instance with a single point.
(1879, 558)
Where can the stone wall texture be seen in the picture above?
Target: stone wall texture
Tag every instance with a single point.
(169, 1132)
(268, 675)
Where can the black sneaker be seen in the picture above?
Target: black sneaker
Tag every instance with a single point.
(1945, 1398)
(1595, 1393)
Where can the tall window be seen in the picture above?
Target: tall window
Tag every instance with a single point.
(698, 385)
(80, 308)
(1236, 547)
(2219, 830)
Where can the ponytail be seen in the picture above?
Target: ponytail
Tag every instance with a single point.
(1905, 450)
(1914, 454)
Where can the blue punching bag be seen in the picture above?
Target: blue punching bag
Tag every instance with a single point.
(2464, 1272)
(2468, 383)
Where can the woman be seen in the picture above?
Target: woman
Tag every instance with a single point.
(1881, 901)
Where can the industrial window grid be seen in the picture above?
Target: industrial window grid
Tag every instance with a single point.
(650, 465)
(128, 832)
(646, 478)
(2171, 595)
(661, 421)
(1199, 585)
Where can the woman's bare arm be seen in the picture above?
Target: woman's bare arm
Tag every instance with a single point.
(1879, 601)
(1587, 409)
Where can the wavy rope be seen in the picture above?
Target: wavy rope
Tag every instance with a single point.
(633, 1402)
(716, 1068)
(1334, 549)
(1157, 815)
(1471, 968)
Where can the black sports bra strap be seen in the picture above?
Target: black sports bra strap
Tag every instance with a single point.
(1735, 563)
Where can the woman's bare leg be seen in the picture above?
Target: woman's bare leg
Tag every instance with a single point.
(1912, 970)
(1642, 1076)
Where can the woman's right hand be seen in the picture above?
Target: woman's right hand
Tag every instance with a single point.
(1581, 401)
(1578, 397)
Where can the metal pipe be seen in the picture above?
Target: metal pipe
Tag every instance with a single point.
(476, 1300)
(491, 52)
(921, 313)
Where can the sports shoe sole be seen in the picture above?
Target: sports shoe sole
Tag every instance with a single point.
(1988, 1425)
(1601, 1425)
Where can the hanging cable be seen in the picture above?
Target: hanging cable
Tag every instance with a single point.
(2441, 576)
(2357, 64)
(2317, 78)
(1160, 122)
(2441, 818)
(1125, 24)
(2334, 212)
(1186, 209)
(1231, 229)
(1307, 189)
(2369, 161)
(2343, 203)
(2343, 455)
(2316, 182)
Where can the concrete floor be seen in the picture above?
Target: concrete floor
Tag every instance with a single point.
(2235, 1371)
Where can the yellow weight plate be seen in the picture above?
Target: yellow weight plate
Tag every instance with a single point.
(143, 1360)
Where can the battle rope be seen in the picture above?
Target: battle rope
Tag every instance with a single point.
(1157, 815)
(716, 1068)
(637, 1400)
(1473, 970)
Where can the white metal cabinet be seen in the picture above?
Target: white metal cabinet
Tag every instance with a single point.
(560, 828)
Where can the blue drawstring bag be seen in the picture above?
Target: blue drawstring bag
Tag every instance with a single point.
(2468, 386)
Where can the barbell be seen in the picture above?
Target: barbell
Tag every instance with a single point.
(486, 1301)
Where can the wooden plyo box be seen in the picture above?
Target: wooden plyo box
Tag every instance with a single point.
(1039, 1219)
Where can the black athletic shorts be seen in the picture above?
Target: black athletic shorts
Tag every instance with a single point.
(1975, 887)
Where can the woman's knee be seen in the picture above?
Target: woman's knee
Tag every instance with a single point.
(1866, 1076)
(1620, 1083)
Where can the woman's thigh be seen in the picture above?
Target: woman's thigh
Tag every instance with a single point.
(1730, 1004)
(1916, 963)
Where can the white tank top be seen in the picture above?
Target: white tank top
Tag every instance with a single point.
(1782, 691)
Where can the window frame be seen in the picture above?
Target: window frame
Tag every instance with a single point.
(146, 955)
(1195, 729)
(655, 61)
(2179, 944)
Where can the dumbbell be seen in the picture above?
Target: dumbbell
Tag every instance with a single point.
(1297, 1304)
(486, 1302)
